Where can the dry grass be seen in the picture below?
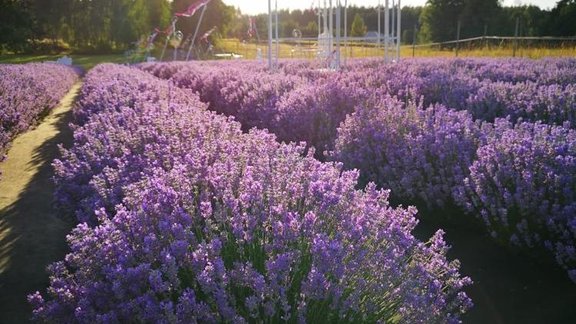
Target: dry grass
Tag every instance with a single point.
(307, 50)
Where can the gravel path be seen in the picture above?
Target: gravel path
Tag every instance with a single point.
(31, 234)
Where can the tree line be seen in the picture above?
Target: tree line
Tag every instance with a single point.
(96, 25)
(438, 20)
(108, 25)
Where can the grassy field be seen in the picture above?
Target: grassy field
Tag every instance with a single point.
(308, 50)
(85, 61)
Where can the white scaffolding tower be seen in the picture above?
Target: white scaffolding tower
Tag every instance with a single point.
(392, 30)
(330, 25)
(273, 52)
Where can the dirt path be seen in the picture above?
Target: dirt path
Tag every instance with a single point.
(508, 287)
(31, 234)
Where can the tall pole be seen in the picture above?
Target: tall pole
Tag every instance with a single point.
(485, 34)
(379, 28)
(393, 25)
(345, 30)
(319, 13)
(277, 39)
(173, 30)
(414, 40)
(458, 36)
(386, 30)
(398, 31)
(270, 34)
(338, 25)
(331, 28)
(195, 33)
(515, 46)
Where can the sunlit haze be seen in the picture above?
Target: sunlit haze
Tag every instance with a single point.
(253, 7)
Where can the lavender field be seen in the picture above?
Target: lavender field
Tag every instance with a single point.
(27, 92)
(494, 137)
(224, 192)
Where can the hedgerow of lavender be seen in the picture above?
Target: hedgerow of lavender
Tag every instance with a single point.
(523, 186)
(221, 225)
(27, 92)
(420, 154)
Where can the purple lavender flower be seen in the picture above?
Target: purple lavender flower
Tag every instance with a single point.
(197, 221)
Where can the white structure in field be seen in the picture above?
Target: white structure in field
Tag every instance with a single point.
(329, 37)
(391, 37)
(66, 60)
(325, 38)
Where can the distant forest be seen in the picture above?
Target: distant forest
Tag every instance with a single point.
(109, 25)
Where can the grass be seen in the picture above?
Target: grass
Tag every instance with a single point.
(308, 50)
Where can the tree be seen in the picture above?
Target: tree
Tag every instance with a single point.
(358, 26)
(476, 15)
(410, 17)
(217, 14)
(15, 24)
(561, 19)
(439, 19)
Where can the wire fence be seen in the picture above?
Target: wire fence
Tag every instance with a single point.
(501, 46)
(483, 46)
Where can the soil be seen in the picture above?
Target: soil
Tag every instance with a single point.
(509, 286)
(31, 234)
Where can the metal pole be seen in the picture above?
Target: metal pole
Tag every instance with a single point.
(195, 33)
(393, 16)
(458, 36)
(331, 28)
(485, 34)
(398, 31)
(386, 30)
(379, 28)
(277, 39)
(173, 24)
(319, 13)
(414, 40)
(345, 31)
(270, 34)
(164, 48)
(338, 25)
(514, 47)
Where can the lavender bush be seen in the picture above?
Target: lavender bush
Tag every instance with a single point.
(523, 186)
(312, 113)
(551, 104)
(212, 224)
(27, 92)
(250, 97)
(111, 87)
(423, 155)
(119, 99)
(420, 154)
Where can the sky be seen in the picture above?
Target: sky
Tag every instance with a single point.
(253, 7)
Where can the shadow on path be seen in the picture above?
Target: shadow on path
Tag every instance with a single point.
(508, 287)
(31, 234)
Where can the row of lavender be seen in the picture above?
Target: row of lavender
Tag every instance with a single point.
(197, 221)
(432, 131)
(27, 91)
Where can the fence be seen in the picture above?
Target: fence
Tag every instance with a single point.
(499, 46)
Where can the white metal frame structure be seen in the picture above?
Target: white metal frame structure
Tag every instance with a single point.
(329, 39)
(392, 38)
